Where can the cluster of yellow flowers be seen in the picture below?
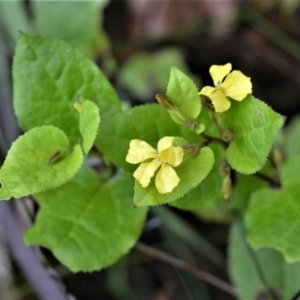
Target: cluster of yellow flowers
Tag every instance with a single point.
(236, 86)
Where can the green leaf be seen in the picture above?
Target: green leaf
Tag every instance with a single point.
(206, 199)
(191, 172)
(280, 276)
(49, 76)
(278, 228)
(149, 123)
(88, 225)
(88, 124)
(29, 166)
(254, 126)
(77, 23)
(184, 94)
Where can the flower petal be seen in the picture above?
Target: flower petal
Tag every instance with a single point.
(164, 143)
(172, 156)
(237, 86)
(166, 179)
(219, 101)
(146, 171)
(139, 151)
(207, 90)
(219, 72)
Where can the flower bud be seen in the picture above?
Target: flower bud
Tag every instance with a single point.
(166, 102)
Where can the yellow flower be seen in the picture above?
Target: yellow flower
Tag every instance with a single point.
(166, 156)
(236, 86)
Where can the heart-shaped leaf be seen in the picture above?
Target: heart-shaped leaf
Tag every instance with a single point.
(37, 161)
(254, 126)
(49, 76)
(88, 225)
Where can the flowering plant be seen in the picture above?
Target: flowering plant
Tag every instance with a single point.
(208, 145)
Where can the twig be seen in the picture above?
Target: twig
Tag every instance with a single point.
(222, 285)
